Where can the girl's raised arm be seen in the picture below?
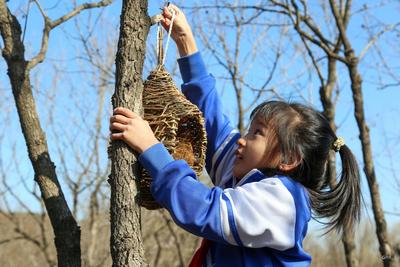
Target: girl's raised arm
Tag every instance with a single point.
(199, 87)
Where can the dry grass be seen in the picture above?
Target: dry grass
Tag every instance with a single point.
(165, 243)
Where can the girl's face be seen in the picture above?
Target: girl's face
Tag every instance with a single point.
(258, 149)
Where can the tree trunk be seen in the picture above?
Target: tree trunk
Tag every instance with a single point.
(350, 248)
(240, 115)
(369, 170)
(329, 112)
(66, 229)
(126, 240)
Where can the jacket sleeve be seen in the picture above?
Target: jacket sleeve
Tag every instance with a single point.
(257, 214)
(199, 87)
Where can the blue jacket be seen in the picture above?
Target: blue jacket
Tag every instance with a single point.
(258, 221)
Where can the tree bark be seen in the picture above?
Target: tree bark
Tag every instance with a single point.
(66, 229)
(126, 240)
(369, 170)
(329, 112)
(350, 248)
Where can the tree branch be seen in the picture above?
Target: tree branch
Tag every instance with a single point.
(322, 42)
(306, 19)
(297, 18)
(10, 30)
(341, 26)
(234, 7)
(267, 81)
(376, 37)
(49, 25)
(313, 60)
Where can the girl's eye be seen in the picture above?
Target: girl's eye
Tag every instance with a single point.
(257, 132)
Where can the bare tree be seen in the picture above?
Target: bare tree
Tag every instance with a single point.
(351, 61)
(81, 167)
(341, 50)
(66, 230)
(233, 38)
(325, 51)
(328, 100)
(126, 239)
(87, 173)
(37, 239)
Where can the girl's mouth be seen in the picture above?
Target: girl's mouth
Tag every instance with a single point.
(238, 155)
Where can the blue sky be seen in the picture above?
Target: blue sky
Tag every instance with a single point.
(381, 106)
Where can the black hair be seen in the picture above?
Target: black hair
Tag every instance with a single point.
(304, 134)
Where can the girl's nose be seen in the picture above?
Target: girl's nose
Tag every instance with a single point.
(241, 141)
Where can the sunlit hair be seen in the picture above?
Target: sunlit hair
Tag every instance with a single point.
(304, 134)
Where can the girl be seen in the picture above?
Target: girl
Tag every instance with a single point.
(266, 182)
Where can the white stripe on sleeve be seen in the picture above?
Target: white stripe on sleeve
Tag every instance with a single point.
(264, 215)
(222, 161)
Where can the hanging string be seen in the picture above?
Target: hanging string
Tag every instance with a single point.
(161, 53)
(159, 44)
(169, 34)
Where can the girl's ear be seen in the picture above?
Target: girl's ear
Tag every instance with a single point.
(288, 167)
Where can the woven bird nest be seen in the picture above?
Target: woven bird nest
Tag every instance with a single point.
(176, 122)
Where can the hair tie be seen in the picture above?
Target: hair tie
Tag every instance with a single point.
(339, 142)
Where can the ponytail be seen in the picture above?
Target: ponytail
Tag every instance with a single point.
(342, 202)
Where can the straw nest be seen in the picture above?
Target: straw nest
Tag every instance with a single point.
(176, 122)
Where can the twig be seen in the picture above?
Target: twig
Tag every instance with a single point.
(49, 25)
(376, 37)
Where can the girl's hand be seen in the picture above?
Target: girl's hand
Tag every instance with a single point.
(129, 127)
(181, 32)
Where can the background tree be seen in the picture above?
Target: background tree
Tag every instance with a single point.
(66, 230)
(78, 133)
(334, 45)
(232, 36)
(342, 49)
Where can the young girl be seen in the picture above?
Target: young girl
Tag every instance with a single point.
(266, 182)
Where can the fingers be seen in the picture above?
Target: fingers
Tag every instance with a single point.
(116, 126)
(166, 20)
(117, 136)
(126, 112)
(122, 118)
(167, 11)
(119, 118)
(165, 23)
(175, 9)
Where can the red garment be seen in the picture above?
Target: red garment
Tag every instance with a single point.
(200, 255)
